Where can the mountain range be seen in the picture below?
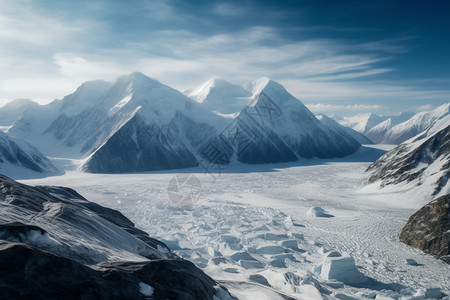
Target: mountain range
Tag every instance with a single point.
(139, 124)
(422, 162)
(394, 129)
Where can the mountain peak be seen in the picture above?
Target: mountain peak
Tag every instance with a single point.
(201, 93)
(138, 79)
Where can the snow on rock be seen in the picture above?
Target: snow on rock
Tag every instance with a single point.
(421, 164)
(415, 125)
(85, 250)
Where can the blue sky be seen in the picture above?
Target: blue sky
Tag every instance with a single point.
(342, 57)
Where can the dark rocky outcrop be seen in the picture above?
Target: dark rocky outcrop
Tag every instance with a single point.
(409, 161)
(429, 229)
(55, 244)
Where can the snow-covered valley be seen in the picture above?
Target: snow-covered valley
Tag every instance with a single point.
(257, 223)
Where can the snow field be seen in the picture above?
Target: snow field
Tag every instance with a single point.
(251, 230)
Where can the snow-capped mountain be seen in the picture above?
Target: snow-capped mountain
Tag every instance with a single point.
(221, 96)
(14, 110)
(423, 162)
(138, 124)
(378, 133)
(329, 122)
(277, 127)
(416, 124)
(362, 122)
(19, 159)
(56, 244)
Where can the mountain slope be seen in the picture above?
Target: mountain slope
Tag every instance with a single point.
(13, 110)
(362, 139)
(363, 122)
(139, 124)
(19, 159)
(421, 161)
(56, 244)
(377, 134)
(415, 125)
(221, 96)
(277, 127)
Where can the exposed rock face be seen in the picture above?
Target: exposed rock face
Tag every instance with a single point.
(429, 229)
(54, 244)
(424, 160)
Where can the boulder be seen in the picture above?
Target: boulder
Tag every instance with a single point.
(429, 229)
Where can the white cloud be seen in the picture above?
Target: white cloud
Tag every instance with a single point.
(332, 107)
(425, 107)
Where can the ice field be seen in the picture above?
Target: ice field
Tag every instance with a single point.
(306, 230)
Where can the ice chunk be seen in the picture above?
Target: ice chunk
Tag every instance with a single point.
(411, 262)
(270, 250)
(259, 279)
(341, 268)
(319, 212)
(242, 256)
(251, 264)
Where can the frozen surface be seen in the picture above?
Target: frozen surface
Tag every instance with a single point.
(250, 224)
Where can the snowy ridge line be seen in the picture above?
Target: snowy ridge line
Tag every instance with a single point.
(139, 119)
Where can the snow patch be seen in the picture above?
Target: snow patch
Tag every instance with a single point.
(145, 289)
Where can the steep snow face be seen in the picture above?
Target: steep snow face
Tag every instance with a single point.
(12, 111)
(363, 122)
(377, 134)
(138, 146)
(221, 96)
(277, 127)
(415, 125)
(332, 124)
(19, 159)
(102, 123)
(85, 97)
(422, 162)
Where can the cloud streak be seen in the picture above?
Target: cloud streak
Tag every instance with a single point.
(46, 52)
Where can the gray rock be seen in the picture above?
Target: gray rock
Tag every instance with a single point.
(54, 244)
(429, 229)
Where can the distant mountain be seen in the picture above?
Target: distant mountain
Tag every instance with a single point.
(330, 123)
(138, 124)
(378, 133)
(221, 96)
(277, 127)
(55, 244)
(13, 110)
(423, 161)
(19, 159)
(416, 124)
(363, 122)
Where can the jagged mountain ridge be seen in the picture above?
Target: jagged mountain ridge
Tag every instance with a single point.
(378, 133)
(424, 161)
(329, 122)
(106, 123)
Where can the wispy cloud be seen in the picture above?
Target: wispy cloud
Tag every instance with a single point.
(45, 55)
(425, 107)
(319, 107)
